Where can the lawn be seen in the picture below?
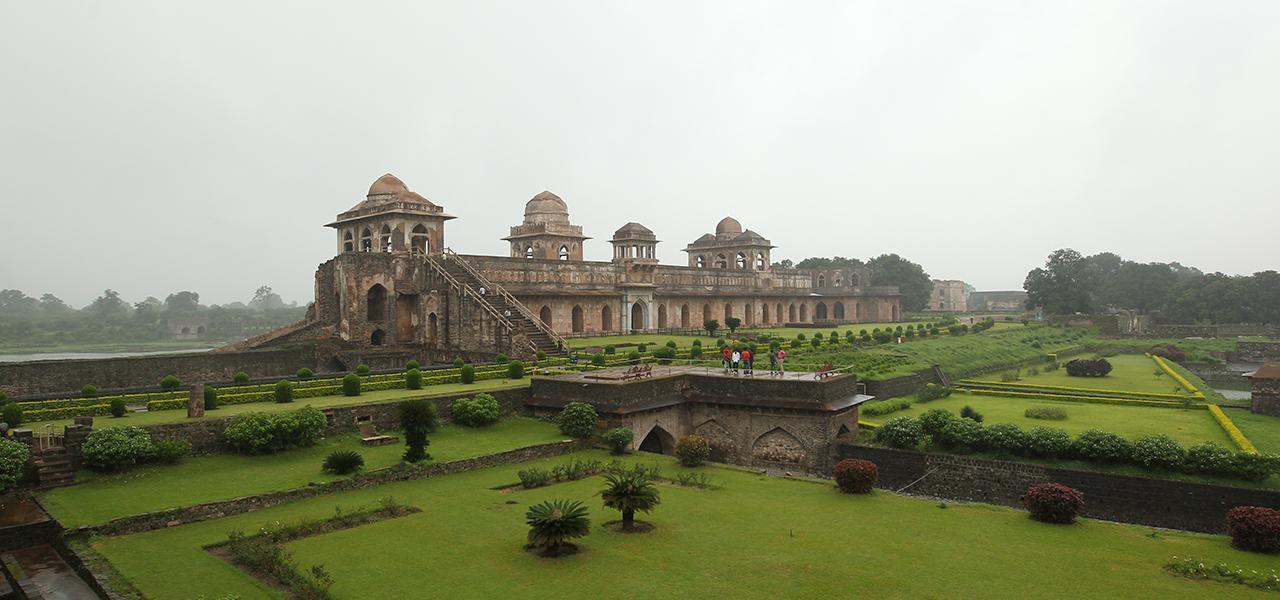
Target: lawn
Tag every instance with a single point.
(1130, 373)
(101, 498)
(1188, 426)
(174, 416)
(1262, 430)
(754, 537)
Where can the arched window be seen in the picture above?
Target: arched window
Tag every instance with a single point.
(684, 316)
(777, 313)
(700, 262)
(528, 251)
(748, 315)
(376, 303)
(606, 319)
(706, 313)
(760, 262)
(741, 261)
(791, 313)
(839, 279)
(820, 312)
(662, 316)
(577, 319)
(728, 312)
(764, 314)
(366, 240)
(545, 315)
(420, 243)
(637, 317)
(838, 311)
(721, 262)
(348, 242)
(822, 280)
(804, 312)
(433, 328)
(384, 239)
(377, 338)
(564, 253)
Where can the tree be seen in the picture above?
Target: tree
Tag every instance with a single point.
(553, 523)
(733, 323)
(182, 302)
(711, 325)
(108, 305)
(913, 282)
(14, 303)
(628, 492)
(417, 419)
(1065, 285)
(265, 299)
(53, 306)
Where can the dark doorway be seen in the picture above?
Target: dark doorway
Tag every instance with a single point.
(659, 441)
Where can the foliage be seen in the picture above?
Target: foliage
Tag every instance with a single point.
(1053, 503)
(855, 476)
(170, 382)
(931, 392)
(901, 432)
(117, 407)
(969, 413)
(934, 420)
(362, 369)
(962, 434)
(515, 369)
(284, 391)
(1102, 446)
(1209, 458)
(258, 433)
(171, 452)
(11, 413)
(1047, 442)
(351, 385)
(468, 374)
(241, 377)
(629, 492)
(883, 407)
(89, 391)
(342, 462)
(1006, 438)
(610, 349)
(412, 364)
(598, 360)
(458, 362)
(555, 522)
(732, 323)
(1047, 413)
(413, 379)
(116, 448)
(479, 410)
(1083, 367)
(577, 419)
(618, 439)
(305, 373)
(13, 460)
(417, 419)
(693, 450)
(533, 477)
(633, 357)
(711, 325)
(210, 397)
(502, 359)
(1254, 529)
(913, 282)
(1197, 569)
(1159, 452)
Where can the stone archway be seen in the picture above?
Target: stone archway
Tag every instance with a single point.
(723, 449)
(606, 319)
(820, 312)
(658, 441)
(577, 319)
(662, 316)
(777, 446)
(638, 316)
(544, 315)
(684, 316)
(837, 312)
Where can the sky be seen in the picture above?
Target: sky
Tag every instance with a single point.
(151, 147)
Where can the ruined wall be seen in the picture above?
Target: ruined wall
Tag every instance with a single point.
(1257, 352)
(1266, 397)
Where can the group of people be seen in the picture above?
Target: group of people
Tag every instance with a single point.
(735, 359)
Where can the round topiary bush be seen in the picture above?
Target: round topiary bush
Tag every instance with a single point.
(413, 379)
(305, 373)
(117, 407)
(693, 450)
(901, 432)
(458, 362)
(1102, 446)
(641, 348)
(116, 448)
(1053, 503)
(610, 349)
(241, 378)
(515, 370)
(210, 398)
(1254, 529)
(11, 414)
(618, 439)
(1159, 452)
(351, 385)
(482, 409)
(502, 359)
(13, 460)
(89, 391)
(856, 476)
(1005, 438)
(170, 382)
(468, 374)
(412, 364)
(577, 419)
(598, 360)
(633, 356)
(342, 462)
(362, 369)
(284, 391)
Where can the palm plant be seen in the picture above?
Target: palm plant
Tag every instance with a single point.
(555, 522)
(628, 492)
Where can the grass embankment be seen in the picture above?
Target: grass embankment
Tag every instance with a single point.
(1129, 373)
(814, 543)
(100, 498)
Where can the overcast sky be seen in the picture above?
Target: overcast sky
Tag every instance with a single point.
(154, 147)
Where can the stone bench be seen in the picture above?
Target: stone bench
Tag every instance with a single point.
(369, 436)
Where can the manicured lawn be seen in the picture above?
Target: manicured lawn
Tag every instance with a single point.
(754, 537)
(1188, 426)
(174, 416)
(1130, 372)
(1262, 430)
(101, 498)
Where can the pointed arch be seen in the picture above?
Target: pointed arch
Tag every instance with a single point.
(528, 251)
(433, 329)
(804, 312)
(639, 315)
(764, 314)
(820, 312)
(419, 239)
(658, 441)
(577, 319)
(837, 311)
(684, 316)
(791, 313)
(706, 313)
(700, 262)
(545, 315)
(348, 242)
(761, 262)
(740, 261)
(378, 337)
(822, 280)
(606, 318)
(778, 446)
(366, 240)
(662, 316)
(564, 253)
(384, 239)
(376, 303)
(721, 262)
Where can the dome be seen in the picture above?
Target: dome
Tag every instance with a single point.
(728, 226)
(546, 208)
(633, 229)
(388, 184)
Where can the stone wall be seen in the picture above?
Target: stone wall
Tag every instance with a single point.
(1266, 397)
(1256, 352)
(1145, 501)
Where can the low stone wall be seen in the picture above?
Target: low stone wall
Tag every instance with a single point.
(1256, 352)
(901, 386)
(403, 472)
(1145, 501)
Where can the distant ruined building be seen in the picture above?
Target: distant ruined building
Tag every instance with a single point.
(394, 286)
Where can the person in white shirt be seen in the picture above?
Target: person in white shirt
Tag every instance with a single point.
(737, 356)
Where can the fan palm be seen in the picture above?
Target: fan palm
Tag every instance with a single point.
(629, 492)
(555, 522)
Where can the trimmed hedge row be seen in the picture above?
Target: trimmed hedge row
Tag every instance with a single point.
(1084, 399)
(53, 414)
(1012, 386)
(1182, 381)
(1237, 437)
(36, 405)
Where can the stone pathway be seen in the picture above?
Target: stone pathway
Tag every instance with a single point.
(43, 575)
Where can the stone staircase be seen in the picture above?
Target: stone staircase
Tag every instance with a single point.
(503, 303)
(54, 467)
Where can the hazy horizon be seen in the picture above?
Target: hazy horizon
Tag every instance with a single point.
(153, 147)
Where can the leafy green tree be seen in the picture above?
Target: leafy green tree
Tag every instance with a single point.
(733, 323)
(553, 523)
(629, 492)
(913, 282)
(711, 325)
(417, 419)
(1065, 285)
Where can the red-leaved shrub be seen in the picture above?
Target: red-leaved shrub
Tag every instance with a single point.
(1254, 528)
(1053, 502)
(856, 476)
(1170, 352)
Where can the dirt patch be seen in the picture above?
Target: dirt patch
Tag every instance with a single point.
(566, 549)
(637, 527)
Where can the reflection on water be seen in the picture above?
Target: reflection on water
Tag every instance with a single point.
(80, 355)
(1234, 394)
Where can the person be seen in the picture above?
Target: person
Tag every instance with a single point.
(782, 366)
(482, 290)
(724, 357)
(773, 361)
(736, 358)
(748, 359)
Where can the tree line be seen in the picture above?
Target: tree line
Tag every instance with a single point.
(1070, 283)
(912, 281)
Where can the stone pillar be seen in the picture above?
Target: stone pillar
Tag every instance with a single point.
(195, 402)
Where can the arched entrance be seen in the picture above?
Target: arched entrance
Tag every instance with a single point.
(895, 313)
(577, 319)
(662, 316)
(804, 312)
(820, 312)
(433, 328)
(764, 314)
(791, 313)
(376, 303)
(658, 441)
(545, 315)
(378, 337)
(838, 311)
(637, 316)
(684, 316)
(606, 319)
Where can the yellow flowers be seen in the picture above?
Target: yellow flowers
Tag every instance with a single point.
(1182, 381)
(1237, 436)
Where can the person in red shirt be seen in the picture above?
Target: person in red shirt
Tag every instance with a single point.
(747, 361)
(725, 354)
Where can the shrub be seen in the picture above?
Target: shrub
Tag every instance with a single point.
(815, 342)
(610, 349)
(11, 413)
(116, 448)
(350, 384)
(628, 492)
(13, 462)
(502, 359)
(117, 407)
(305, 373)
(417, 419)
(856, 476)
(553, 523)
(641, 348)
(412, 364)
(413, 379)
(961, 434)
(969, 413)
(458, 362)
(795, 344)
(1053, 503)
(1009, 376)
(241, 378)
(1254, 467)
(1159, 452)
(672, 344)
(482, 409)
(883, 407)
(693, 450)
(1083, 367)
(932, 421)
(618, 439)
(931, 392)
(342, 462)
(540, 356)
(1209, 459)
(362, 369)
(1170, 352)
(901, 432)
(695, 351)
(468, 374)
(284, 391)
(577, 419)
(210, 398)
(257, 433)
(533, 478)
(633, 356)
(1051, 366)
(1102, 446)
(171, 452)
(1254, 529)
(664, 354)
(1006, 438)
(1047, 413)
(515, 370)
(89, 391)
(598, 360)
(1048, 442)
(170, 382)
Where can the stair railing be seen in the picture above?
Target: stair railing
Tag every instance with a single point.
(468, 291)
(501, 291)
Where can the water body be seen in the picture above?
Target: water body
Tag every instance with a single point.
(84, 355)
(1234, 394)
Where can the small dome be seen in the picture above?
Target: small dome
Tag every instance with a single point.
(546, 208)
(728, 225)
(633, 229)
(388, 184)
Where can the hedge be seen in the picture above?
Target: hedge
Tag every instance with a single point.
(1084, 391)
(36, 405)
(53, 414)
(1182, 381)
(1237, 437)
(1086, 399)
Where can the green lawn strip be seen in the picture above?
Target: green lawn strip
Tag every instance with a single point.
(814, 543)
(1262, 430)
(100, 498)
(1016, 386)
(175, 416)
(1130, 373)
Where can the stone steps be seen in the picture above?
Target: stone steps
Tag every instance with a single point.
(54, 468)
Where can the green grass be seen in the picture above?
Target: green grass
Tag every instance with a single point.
(1188, 426)
(755, 537)
(1130, 373)
(1262, 430)
(100, 498)
(175, 416)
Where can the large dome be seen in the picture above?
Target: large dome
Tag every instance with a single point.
(546, 208)
(728, 226)
(388, 184)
